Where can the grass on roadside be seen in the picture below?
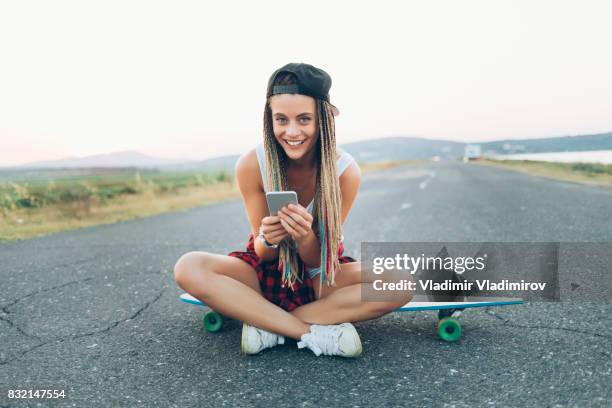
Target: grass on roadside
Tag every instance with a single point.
(43, 206)
(27, 223)
(588, 173)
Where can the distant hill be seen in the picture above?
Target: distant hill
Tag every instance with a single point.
(601, 141)
(402, 148)
(216, 163)
(116, 159)
(366, 151)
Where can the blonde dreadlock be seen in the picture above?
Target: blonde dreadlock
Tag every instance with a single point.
(327, 201)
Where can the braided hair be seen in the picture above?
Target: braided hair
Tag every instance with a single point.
(327, 201)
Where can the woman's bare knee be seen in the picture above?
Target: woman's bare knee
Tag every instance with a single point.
(196, 267)
(189, 267)
(397, 302)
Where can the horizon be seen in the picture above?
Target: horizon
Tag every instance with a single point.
(237, 154)
(169, 80)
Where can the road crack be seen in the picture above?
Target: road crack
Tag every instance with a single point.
(137, 313)
(19, 299)
(19, 329)
(132, 317)
(4, 316)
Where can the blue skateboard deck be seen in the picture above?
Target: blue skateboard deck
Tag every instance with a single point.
(421, 304)
(449, 328)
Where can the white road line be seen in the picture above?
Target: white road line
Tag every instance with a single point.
(423, 184)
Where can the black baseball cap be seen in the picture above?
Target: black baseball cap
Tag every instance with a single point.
(311, 81)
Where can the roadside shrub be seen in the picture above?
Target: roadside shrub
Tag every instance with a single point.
(223, 176)
(19, 196)
(596, 168)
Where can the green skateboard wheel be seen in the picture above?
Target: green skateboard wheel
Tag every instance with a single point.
(449, 329)
(212, 321)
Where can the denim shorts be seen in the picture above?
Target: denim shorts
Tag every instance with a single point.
(312, 272)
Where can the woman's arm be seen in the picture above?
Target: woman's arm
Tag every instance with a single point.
(350, 181)
(249, 182)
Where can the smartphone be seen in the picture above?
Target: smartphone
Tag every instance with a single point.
(279, 199)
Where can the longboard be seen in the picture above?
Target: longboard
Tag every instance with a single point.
(449, 328)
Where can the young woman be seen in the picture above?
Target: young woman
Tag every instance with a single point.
(292, 280)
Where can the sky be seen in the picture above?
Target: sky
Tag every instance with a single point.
(187, 80)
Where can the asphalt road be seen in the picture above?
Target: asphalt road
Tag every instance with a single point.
(95, 312)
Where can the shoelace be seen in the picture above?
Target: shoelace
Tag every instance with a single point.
(322, 340)
(270, 339)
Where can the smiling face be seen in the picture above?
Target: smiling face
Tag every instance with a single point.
(295, 124)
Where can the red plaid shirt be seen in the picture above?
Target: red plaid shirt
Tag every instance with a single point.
(270, 279)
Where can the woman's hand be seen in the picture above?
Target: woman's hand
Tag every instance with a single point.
(296, 221)
(272, 229)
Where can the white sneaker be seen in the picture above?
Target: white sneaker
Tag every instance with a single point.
(255, 339)
(332, 340)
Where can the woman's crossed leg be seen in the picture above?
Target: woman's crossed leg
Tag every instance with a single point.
(230, 286)
(343, 302)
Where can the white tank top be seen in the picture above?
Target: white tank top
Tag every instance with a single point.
(342, 164)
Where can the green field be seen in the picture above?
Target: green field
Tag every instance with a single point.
(98, 185)
(40, 202)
